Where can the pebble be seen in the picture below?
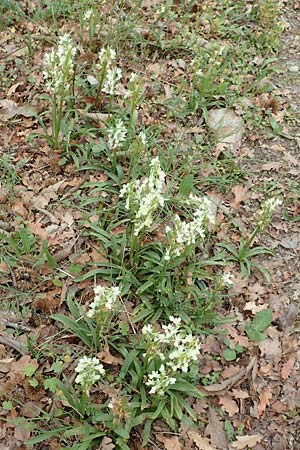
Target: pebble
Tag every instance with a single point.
(293, 69)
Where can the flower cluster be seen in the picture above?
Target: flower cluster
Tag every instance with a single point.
(113, 76)
(174, 349)
(227, 279)
(87, 15)
(105, 58)
(89, 372)
(265, 214)
(184, 234)
(117, 134)
(143, 198)
(59, 66)
(109, 75)
(159, 381)
(134, 88)
(104, 300)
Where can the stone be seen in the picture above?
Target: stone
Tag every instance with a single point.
(293, 69)
(227, 126)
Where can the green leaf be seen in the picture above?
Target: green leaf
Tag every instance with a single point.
(33, 382)
(29, 370)
(186, 185)
(229, 430)
(51, 260)
(146, 432)
(57, 282)
(7, 406)
(57, 366)
(229, 354)
(121, 431)
(44, 436)
(25, 239)
(254, 335)
(50, 384)
(262, 320)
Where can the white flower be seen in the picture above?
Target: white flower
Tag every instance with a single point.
(173, 346)
(205, 205)
(113, 76)
(89, 372)
(132, 78)
(185, 234)
(159, 381)
(105, 58)
(143, 137)
(59, 66)
(87, 15)
(227, 279)
(187, 348)
(147, 330)
(270, 205)
(104, 300)
(144, 197)
(267, 211)
(117, 134)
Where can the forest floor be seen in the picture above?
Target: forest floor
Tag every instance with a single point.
(220, 57)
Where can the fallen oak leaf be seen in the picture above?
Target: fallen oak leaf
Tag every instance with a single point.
(170, 443)
(287, 368)
(107, 444)
(218, 388)
(50, 193)
(96, 117)
(238, 393)
(228, 405)
(246, 441)
(271, 166)
(215, 429)
(201, 442)
(106, 357)
(11, 109)
(241, 193)
(264, 401)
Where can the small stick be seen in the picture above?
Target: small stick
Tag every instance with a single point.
(21, 348)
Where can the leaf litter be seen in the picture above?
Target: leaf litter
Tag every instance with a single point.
(270, 388)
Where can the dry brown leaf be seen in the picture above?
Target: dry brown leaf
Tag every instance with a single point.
(5, 365)
(17, 367)
(4, 267)
(291, 159)
(264, 400)
(224, 385)
(38, 230)
(287, 368)
(21, 434)
(201, 442)
(106, 357)
(170, 442)
(228, 405)
(11, 109)
(106, 444)
(50, 193)
(271, 348)
(215, 429)
(246, 441)
(278, 407)
(238, 393)
(241, 193)
(96, 117)
(271, 166)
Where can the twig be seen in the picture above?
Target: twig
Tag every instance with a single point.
(17, 326)
(128, 317)
(21, 348)
(48, 214)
